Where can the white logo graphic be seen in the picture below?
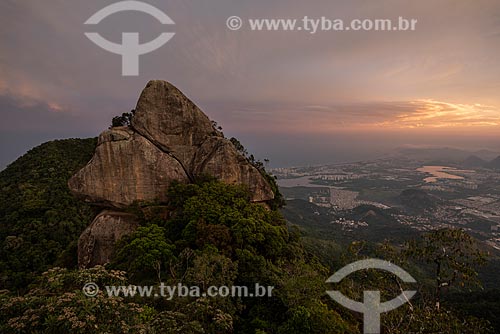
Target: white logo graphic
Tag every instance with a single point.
(90, 289)
(234, 22)
(371, 306)
(130, 49)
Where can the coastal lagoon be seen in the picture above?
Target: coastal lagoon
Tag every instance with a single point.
(442, 172)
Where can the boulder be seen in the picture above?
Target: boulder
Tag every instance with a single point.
(96, 244)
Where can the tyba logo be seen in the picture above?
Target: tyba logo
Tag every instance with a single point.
(371, 306)
(130, 49)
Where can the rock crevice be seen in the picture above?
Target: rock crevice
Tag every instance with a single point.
(161, 148)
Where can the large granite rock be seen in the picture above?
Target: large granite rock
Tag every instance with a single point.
(96, 244)
(125, 168)
(169, 119)
(169, 140)
(173, 122)
(218, 157)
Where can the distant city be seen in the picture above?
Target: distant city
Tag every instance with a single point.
(418, 192)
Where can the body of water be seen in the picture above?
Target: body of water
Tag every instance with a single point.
(304, 181)
(441, 172)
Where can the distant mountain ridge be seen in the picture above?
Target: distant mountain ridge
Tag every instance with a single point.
(445, 154)
(494, 164)
(474, 161)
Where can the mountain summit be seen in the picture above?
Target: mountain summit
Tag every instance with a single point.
(494, 164)
(474, 161)
(169, 140)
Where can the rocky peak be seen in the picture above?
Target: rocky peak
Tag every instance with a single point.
(173, 122)
(169, 139)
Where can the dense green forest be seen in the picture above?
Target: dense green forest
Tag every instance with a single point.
(209, 233)
(40, 220)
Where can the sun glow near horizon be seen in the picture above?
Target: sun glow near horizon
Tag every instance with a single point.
(430, 113)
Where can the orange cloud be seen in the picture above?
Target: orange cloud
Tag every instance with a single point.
(436, 114)
(424, 114)
(26, 95)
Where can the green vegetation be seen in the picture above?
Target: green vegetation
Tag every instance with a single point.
(454, 256)
(422, 314)
(210, 234)
(279, 200)
(221, 238)
(40, 220)
(458, 255)
(56, 304)
(124, 120)
(215, 236)
(145, 250)
(316, 221)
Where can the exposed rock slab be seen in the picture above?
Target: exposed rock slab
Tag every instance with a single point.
(169, 119)
(125, 168)
(170, 139)
(96, 244)
(218, 157)
(174, 123)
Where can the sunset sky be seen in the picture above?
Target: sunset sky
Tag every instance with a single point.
(293, 97)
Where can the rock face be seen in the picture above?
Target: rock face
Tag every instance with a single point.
(169, 139)
(218, 157)
(169, 119)
(126, 167)
(96, 243)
